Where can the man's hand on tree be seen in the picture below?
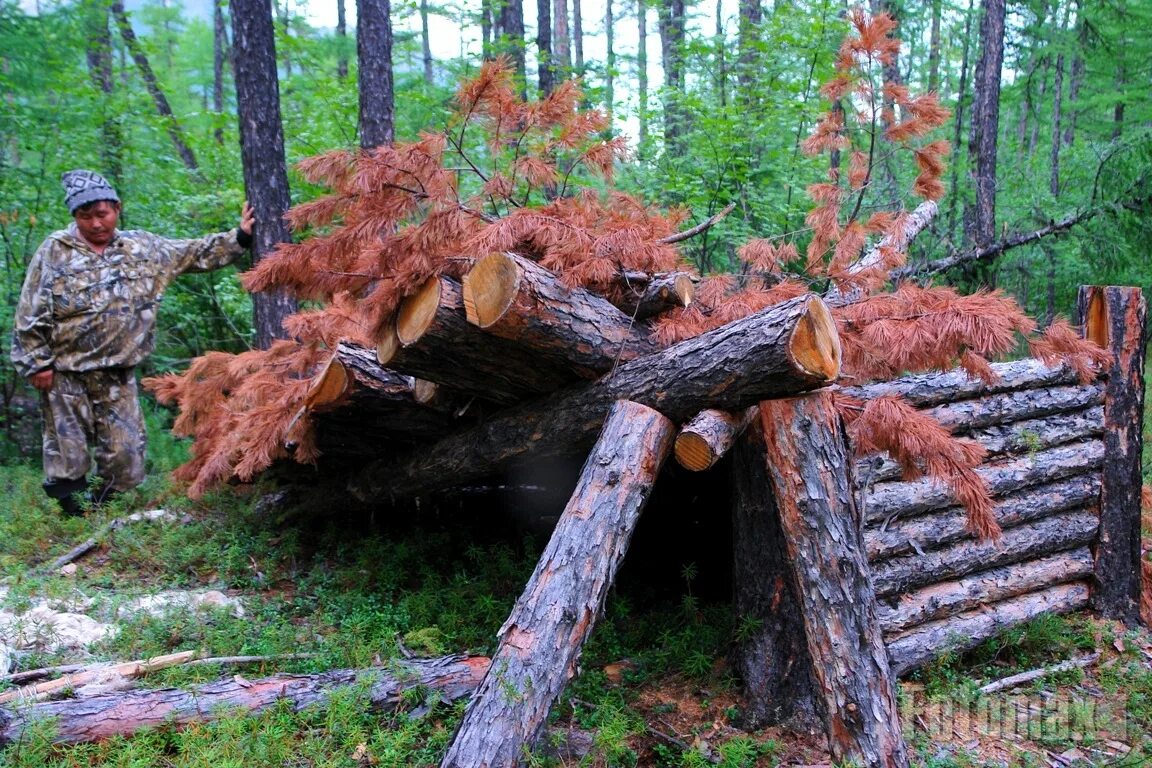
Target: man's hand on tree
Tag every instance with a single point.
(247, 219)
(42, 380)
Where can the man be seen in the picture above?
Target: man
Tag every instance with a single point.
(86, 318)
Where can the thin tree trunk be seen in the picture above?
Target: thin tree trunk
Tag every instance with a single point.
(981, 216)
(934, 48)
(721, 59)
(962, 94)
(509, 31)
(158, 98)
(341, 39)
(1057, 104)
(486, 24)
(546, 69)
(671, 22)
(286, 23)
(1076, 75)
(374, 55)
(426, 43)
(1118, 110)
(609, 60)
(642, 69)
(577, 38)
(219, 57)
(100, 70)
(561, 38)
(748, 36)
(262, 152)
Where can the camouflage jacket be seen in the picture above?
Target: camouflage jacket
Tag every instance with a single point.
(81, 311)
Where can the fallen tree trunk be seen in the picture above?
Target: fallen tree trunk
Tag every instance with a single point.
(1005, 407)
(807, 459)
(541, 641)
(928, 389)
(432, 339)
(949, 598)
(1043, 537)
(935, 530)
(643, 295)
(908, 499)
(1015, 437)
(925, 642)
(916, 222)
(517, 299)
(786, 348)
(771, 653)
(708, 435)
(122, 714)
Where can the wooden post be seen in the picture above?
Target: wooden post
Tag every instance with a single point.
(1114, 318)
(811, 471)
(771, 655)
(541, 641)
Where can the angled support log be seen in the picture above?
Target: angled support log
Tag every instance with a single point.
(541, 641)
(787, 348)
(771, 655)
(93, 718)
(431, 338)
(517, 299)
(1114, 318)
(811, 473)
(705, 439)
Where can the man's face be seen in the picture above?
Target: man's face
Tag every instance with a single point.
(97, 222)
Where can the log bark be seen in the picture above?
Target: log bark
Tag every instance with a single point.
(886, 501)
(810, 470)
(122, 714)
(1015, 437)
(771, 655)
(933, 531)
(948, 598)
(431, 339)
(541, 642)
(517, 299)
(1115, 317)
(642, 295)
(967, 415)
(928, 389)
(784, 349)
(709, 435)
(926, 642)
(1043, 537)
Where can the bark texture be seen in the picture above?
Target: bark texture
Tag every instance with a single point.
(1115, 318)
(541, 642)
(981, 217)
(787, 348)
(643, 295)
(374, 55)
(927, 389)
(809, 466)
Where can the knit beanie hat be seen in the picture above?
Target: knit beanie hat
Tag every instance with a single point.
(83, 187)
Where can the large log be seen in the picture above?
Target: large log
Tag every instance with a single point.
(886, 501)
(541, 641)
(934, 530)
(1015, 437)
(928, 641)
(771, 653)
(708, 435)
(966, 415)
(643, 295)
(517, 299)
(948, 598)
(1115, 318)
(432, 339)
(784, 349)
(121, 714)
(1042, 537)
(811, 473)
(928, 389)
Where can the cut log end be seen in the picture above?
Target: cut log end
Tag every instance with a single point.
(388, 345)
(425, 392)
(417, 312)
(328, 386)
(1096, 319)
(815, 343)
(489, 288)
(684, 289)
(693, 452)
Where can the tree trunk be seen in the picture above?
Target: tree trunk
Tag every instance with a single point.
(509, 29)
(95, 718)
(908, 499)
(426, 44)
(1076, 74)
(1115, 318)
(541, 642)
(341, 40)
(262, 153)
(219, 58)
(561, 39)
(748, 39)
(934, 48)
(642, 72)
(175, 132)
(100, 70)
(948, 598)
(939, 529)
(707, 437)
(928, 641)
(433, 340)
(958, 119)
(577, 38)
(517, 299)
(1024, 542)
(985, 123)
(784, 349)
(807, 460)
(545, 61)
(374, 55)
(771, 654)
(670, 16)
(609, 61)
(1057, 105)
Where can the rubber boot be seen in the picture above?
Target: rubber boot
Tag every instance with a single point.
(68, 494)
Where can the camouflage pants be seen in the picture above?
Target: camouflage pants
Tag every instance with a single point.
(99, 409)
